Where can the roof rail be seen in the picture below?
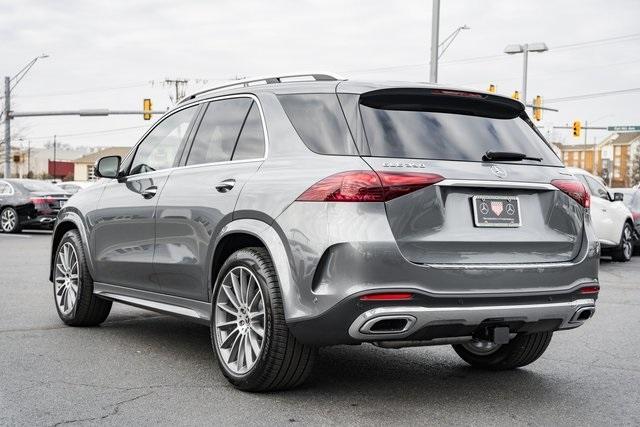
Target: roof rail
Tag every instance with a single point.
(266, 79)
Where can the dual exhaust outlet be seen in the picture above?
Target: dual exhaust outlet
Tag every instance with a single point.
(401, 323)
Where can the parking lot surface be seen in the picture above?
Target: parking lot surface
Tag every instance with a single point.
(144, 368)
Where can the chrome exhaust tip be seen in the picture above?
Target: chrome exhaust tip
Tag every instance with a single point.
(582, 314)
(394, 324)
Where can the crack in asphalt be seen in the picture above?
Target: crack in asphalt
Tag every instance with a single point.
(115, 409)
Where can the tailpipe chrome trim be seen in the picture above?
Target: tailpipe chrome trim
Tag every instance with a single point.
(393, 324)
(582, 314)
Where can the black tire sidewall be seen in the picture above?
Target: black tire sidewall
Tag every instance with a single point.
(245, 258)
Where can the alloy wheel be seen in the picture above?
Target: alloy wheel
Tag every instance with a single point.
(239, 320)
(481, 347)
(8, 220)
(627, 242)
(66, 278)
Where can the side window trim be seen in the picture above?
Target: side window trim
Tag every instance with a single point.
(205, 103)
(132, 154)
(244, 122)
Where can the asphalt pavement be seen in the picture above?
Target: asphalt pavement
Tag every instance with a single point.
(142, 368)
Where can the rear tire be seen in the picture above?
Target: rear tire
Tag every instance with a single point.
(9, 220)
(520, 351)
(280, 361)
(73, 286)
(624, 251)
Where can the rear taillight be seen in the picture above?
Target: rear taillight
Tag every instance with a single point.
(574, 189)
(387, 296)
(41, 203)
(367, 186)
(590, 290)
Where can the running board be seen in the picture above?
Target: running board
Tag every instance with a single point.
(198, 311)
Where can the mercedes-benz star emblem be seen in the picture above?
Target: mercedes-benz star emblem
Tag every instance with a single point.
(484, 208)
(510, 209)
(498, 171)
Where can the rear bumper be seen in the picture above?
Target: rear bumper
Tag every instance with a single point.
(436, 319)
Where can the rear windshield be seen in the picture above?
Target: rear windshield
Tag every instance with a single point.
(41, 186)
(410, 133)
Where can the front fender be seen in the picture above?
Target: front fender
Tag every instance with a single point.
(278, 251)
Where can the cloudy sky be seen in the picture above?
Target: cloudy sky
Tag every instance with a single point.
(112, 54)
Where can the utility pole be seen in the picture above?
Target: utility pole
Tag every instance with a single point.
(7, 127)
(586, 126)
(29, 159)
(525, 65)
(435, 34)
(54, 157)
(179, 87)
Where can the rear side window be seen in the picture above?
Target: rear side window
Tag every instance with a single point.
(218, 132)
(320, 123)
(251, 141)
(411, 131)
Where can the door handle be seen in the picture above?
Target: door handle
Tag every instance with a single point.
(148, 193)
(225, 185)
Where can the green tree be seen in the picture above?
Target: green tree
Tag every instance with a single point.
(635, 167)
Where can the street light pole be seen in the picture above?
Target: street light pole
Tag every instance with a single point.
(525, 66)
(435, 34)
(7, 127)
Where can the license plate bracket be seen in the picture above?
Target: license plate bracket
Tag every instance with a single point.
(496, 211)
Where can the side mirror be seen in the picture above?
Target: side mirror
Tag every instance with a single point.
(618, 197)
(108, 167)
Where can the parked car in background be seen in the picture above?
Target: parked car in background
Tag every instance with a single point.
(28, 203)
(632, 201)
(72, 187)
(611, 218)
(294, 215)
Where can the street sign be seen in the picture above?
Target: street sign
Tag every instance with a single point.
(623, 128)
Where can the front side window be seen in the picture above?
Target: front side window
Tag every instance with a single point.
(160, 147)
(597, 189)
(218, 132)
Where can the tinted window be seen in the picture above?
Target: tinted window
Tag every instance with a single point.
(4, 188)
(596, 188)
(399, 132)
(160, 147)
(319, 121)
(40, 187)
(219, 130)
(251, 142)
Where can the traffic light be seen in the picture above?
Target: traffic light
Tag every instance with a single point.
(516, 95)
(537, 111)
(492, 88)
(17, 158)
(576, 128)
(146, 106)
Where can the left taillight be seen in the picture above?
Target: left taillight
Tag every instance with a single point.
(574, 189)
(367, 186)
(41, 203)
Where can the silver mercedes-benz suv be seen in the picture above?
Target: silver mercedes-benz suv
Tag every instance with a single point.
(300, 211)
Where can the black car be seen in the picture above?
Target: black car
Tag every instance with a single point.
(28, 203)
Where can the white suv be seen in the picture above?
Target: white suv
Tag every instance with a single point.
(611, 219)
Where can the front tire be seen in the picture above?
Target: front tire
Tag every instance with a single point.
(624, 251)
(73, 286)
(520, 351)
(253, 345)
(9, 220)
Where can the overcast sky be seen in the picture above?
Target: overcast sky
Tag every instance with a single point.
(105, 54)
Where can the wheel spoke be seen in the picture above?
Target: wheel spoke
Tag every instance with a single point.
(258, 329)
(236, 286)
(226, 324)
(226, 308)
(254, 342)
(230, 339)
(248, 350)
(232, 298)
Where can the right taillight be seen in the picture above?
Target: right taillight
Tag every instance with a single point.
(574, 189)
(41, 204)
(367, 186)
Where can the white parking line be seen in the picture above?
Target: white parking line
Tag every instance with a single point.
(19, 236)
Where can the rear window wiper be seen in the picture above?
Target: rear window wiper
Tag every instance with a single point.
(513, 156)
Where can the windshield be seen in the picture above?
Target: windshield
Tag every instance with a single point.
(41, 186)
(450, 136)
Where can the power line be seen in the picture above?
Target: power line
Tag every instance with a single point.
(98, 132)
(592, 95)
